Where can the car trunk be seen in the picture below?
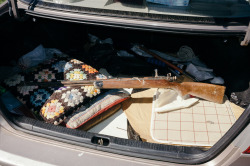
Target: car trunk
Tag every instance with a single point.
(221, 53)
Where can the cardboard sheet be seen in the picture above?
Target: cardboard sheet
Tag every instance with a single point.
(115, 125)
(138, 111)
(237, 110)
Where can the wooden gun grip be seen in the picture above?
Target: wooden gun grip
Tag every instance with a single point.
(210, 92)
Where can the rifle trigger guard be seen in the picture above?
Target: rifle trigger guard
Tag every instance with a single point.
(98, 84)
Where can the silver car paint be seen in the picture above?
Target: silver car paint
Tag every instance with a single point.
(30, 148)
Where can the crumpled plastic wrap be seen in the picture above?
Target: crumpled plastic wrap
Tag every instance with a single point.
(242, 98)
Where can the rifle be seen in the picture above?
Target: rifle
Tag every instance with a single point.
(210, 92)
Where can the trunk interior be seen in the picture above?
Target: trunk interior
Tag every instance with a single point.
(224, 55)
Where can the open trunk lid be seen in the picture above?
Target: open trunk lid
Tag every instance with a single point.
(48, 33)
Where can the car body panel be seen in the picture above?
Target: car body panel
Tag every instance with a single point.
(49, 151)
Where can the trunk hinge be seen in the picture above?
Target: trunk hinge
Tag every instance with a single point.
(10, 8)
(14, 9)
(246, 40)
(15, 12)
